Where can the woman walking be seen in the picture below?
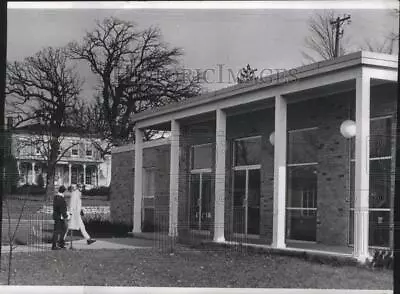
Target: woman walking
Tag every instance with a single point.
(75, 210)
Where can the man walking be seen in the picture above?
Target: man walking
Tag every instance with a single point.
(59, 216)
(76, 212)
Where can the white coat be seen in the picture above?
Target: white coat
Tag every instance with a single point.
(75, 207)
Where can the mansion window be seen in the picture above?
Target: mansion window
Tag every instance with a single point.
(89, 150)
(75, 149)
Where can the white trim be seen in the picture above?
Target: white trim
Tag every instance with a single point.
(319, 74)
(381, 158)
(301, 164)
(146, 144)
(303, 130)
(248, 138)
(201, 145)
(381, 117)
(300, 208)
(247, 167)
(375, 209)
(200, 171)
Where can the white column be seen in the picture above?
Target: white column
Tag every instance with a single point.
(70, 174)
(174, 179)
(19, 169)
(33, 173)
(361, 201)
(84, 174)
(220, 148)
(278, 233)
(137, 197)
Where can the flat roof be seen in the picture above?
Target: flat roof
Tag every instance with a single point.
(323, 67)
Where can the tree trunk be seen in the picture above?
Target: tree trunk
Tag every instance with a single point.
(50, 187)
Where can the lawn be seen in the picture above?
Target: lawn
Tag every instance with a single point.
(30, 218)
(187, 268)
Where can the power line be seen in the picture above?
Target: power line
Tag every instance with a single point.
(338, 23)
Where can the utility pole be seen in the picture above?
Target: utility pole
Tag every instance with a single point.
(338, 23)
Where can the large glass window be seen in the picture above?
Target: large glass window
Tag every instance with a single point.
(380, 181)
(200, 187)
(201, 156)
(247, 185)
(302, 180)
(247, 151)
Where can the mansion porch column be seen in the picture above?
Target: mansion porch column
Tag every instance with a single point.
(361, 200)
(84, 173)
(220, 148)
(137, 197)
(280, 146)
(33, 173)
(19, 169)
(174, 179)
(70, 174)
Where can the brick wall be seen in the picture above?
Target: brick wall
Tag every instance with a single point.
(122, 184)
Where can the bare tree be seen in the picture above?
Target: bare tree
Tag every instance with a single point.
(44, 89)
(321, 41)
(390, 43)
(136, 70)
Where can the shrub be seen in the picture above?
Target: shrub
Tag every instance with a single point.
(106, 228)
(382, 258)
(97, 191)
(30, 190)
(40, 181)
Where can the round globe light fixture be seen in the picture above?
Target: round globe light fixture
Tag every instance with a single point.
(348, 129)
(272, 138)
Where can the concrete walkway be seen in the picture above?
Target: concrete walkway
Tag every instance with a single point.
(100, 244)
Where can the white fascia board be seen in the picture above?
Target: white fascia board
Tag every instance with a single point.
(257, 95)
(146, 144)
(329, 67)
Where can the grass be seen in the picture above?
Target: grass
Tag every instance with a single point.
(187, 268)
(30, 217)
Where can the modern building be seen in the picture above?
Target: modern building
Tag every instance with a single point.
(297, 159)
(79, 161)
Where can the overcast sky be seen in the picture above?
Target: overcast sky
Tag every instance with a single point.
(263, 38)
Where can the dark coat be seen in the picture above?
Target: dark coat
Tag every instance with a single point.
(59, 208)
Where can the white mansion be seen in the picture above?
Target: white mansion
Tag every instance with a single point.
(80, 164)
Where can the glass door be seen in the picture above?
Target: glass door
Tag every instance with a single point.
(239, 202)
(302, 185)
(246, 186)
(200, 214)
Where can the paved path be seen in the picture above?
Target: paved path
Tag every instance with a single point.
(82, 245)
